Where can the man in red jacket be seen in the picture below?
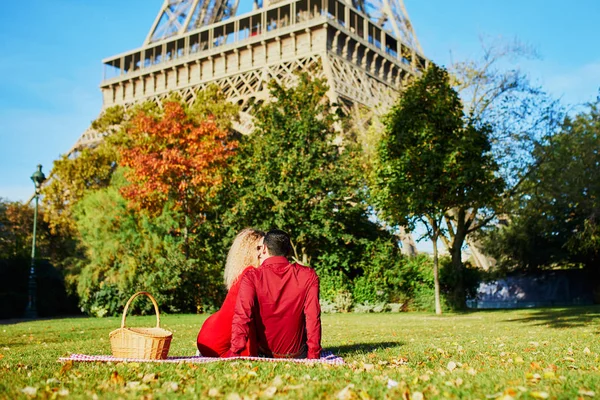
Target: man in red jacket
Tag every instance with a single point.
(280, 301)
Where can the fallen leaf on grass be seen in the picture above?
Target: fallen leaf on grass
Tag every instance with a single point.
(539, 395)
(29, 391)
(116, 379)
(417, 396)
(270, 392)
(133, 385)
(569, 359)
(213, 392)
(277, 381)
(400, 361)
(171, 386)
(549, 374)
(451, 366)
(66, 367)
(551, 367)
(63, 392)
(586, 350)
(149, 378)
(585, 392)
(345, 393)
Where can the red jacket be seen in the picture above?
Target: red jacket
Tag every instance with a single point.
(281, 301)
(215, 335)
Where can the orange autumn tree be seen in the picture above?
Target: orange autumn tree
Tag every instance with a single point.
(173, 158)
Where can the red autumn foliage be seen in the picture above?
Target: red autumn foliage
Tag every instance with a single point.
(173, 157)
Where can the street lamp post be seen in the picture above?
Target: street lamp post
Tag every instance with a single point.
(38, 178)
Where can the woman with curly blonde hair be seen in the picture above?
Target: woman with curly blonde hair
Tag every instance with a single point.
(215, 335)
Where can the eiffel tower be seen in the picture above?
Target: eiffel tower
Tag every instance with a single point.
(366, 49)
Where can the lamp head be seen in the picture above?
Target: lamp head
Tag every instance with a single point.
(38, 177)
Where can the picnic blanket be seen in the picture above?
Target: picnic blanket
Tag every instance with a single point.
(327, 357)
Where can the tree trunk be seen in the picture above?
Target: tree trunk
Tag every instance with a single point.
(305, 258)
(436, 277)
(186, 243)
(459, 295)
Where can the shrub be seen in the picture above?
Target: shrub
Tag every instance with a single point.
(328, 307)
(369, 307)
(381, 271)
(343, 301)
(370, 291)
(332, 283)
(129, 252)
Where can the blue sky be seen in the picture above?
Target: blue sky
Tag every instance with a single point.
(52, 50)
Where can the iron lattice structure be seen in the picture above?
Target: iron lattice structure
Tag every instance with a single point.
(366, 49)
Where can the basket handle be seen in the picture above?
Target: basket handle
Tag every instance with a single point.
(129, 302)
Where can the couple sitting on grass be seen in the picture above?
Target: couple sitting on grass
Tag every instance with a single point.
(272, 307)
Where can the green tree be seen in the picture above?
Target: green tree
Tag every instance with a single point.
(91, 171)
(16, 230)
(555, 221)
(211, 103)
(127, 251)
(16, 224)
(296, 172)
(71, 178)
(519, 118)
(91, 168)
(432, 162)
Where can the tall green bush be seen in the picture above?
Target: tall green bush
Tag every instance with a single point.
(128, 251)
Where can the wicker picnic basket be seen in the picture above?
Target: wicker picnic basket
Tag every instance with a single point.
(145, 343)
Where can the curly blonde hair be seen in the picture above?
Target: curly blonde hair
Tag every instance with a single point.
(242, 254)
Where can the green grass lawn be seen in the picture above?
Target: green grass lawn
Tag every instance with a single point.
(546, 353)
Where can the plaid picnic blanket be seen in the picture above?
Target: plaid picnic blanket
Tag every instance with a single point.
(327, 357)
